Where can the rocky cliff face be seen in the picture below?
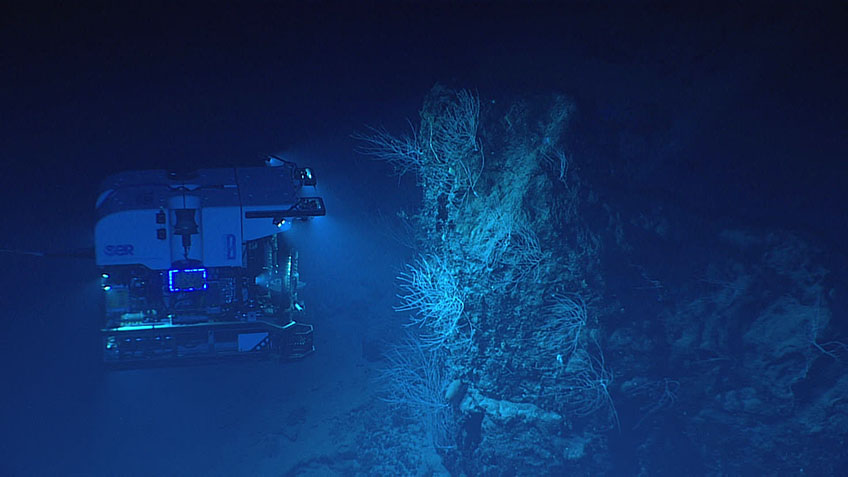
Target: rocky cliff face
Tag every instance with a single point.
(582, 327)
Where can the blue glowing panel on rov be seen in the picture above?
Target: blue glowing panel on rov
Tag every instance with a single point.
(187, 280)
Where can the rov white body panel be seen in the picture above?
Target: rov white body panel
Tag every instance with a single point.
(137, 215)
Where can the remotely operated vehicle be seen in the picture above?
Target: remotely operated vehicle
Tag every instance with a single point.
(197, 266)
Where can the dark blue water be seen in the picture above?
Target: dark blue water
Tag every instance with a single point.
(706, 154)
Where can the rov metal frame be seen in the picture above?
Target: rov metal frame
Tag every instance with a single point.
(151, 344)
